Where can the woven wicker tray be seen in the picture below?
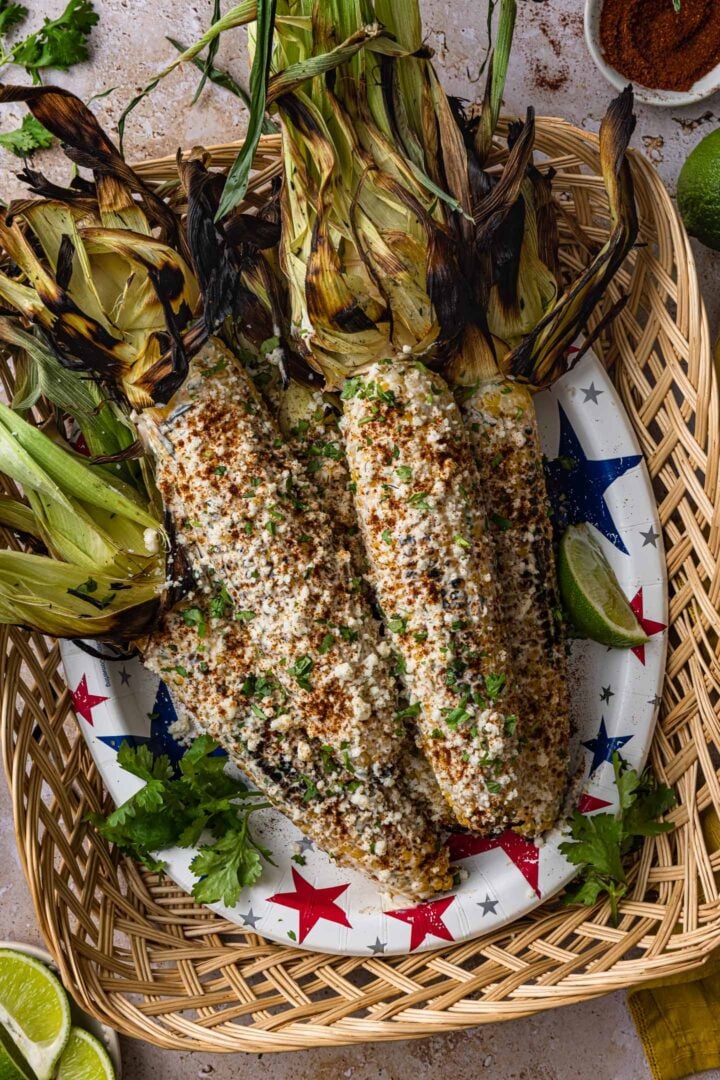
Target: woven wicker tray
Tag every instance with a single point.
(140, 955)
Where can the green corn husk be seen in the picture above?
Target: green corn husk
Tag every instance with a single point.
(104, 574)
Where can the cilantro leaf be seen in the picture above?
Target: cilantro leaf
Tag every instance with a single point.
(225, 868)
(599, 843)
(11, 15)
(176, 808)
(59, 43)
(26, 139)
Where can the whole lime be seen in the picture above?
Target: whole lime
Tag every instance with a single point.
(698, 191)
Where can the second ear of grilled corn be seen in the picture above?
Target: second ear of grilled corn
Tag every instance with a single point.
(502, 427)
(418, 500)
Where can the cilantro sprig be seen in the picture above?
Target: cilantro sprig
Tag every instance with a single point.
(175, 810)
(59, 43)
(600, 843)
(26, 139)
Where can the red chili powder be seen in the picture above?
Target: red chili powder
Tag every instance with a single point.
(652, 44)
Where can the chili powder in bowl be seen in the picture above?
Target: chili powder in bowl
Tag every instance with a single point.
(671, 55)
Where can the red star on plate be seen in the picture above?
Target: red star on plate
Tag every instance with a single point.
(425, 919)
(84, 701)
(588, 803)
(520, 851)
(312, 904)
(651, 628)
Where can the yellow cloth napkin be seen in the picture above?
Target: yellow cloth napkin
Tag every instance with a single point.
(678, 1019)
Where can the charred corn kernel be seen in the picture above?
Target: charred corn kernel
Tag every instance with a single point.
(369, 822)
(252, 517)
(502, 428)
(418, 500)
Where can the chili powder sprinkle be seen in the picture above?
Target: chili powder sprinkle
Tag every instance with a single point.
(651, 43)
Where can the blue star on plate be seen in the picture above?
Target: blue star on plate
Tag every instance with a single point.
(160, 740)
(602, 747)
(577, 485)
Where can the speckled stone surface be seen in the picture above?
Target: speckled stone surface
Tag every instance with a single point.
(551, 69)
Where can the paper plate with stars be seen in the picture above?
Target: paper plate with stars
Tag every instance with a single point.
(595, 474)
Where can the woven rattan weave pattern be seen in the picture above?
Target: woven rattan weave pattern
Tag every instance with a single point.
(140, 955)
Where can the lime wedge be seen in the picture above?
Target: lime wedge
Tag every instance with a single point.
(591, 593)
(85, 1058)
(12, 1064)
(34, 1009)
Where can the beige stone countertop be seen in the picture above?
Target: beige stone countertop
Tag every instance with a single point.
(550, 69)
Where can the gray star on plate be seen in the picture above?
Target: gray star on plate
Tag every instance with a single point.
(607, 693)
(250, 918)
(656, 701)
(591, 394)
(125, 676)
(488, 905)
(378, 947)
(304, 845)
(650, 537)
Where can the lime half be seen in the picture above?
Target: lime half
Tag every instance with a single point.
(12, 1064)
(34, 1009)
(85, 1058)
(591, 593)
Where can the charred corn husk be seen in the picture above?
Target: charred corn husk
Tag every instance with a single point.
(417, 493)
(252, 518)
(502, 428)
(370, 823)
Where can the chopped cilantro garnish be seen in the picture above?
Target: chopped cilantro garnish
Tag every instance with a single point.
(311, 789)
(300, 670)
(494, 684)
(326, 644)
(194, 616)
(220, 603)
(419, 500)
(456, 716)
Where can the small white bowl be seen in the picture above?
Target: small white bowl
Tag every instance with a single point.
(80, 1018)
(703, 88)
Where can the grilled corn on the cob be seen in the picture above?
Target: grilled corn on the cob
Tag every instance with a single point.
(312, 428)
(370, 823)
(417, 494)
(502, 427)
